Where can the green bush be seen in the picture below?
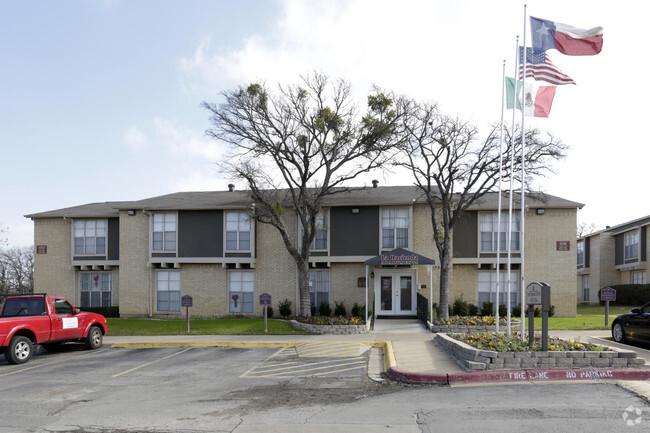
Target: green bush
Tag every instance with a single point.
(357, 310)
(487, 309)
(460, 307)
(324, 309)
(473, 309)
(285, 308)
(551, 311)
(269, 311)
(503, 310)
(339, 308)
(516, 311)
(104, 311)
(313, 310)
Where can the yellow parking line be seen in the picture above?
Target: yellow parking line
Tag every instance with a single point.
(150, 363)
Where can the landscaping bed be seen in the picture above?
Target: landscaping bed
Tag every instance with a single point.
(331, 325)
(493, 353)
(469, 324)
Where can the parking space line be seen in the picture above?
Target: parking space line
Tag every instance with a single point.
(94, 352)
(358, 363)
(150, 363)
(329, 349)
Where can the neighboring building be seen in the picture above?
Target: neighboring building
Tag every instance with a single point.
(143, 256)
(616, 255)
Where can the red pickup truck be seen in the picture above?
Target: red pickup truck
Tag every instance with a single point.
(27, 320)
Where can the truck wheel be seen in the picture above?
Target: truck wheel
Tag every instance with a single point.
(19, 350)
(94, 338)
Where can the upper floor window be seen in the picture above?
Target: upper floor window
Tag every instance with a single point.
(322, 225)
(164, 232)
(489, 226)
(90, 237)
(395, 228)
(580, 246)
(238, 231)
(631, 245)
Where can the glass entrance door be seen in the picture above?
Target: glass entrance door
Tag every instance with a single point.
(395, 294)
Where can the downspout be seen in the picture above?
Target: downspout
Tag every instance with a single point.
(151, 268)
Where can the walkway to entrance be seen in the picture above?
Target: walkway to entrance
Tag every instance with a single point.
(399, 326)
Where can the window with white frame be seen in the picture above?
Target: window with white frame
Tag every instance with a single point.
(319, 287)
(96, 289)
(90, 237)
(322, 225)
(487, 287)
(241, 291)
(489, 226)
(394, 228)
(164, 232)
(168, 285)
(639, 277)
(580, 247)
(631, 240)
(585, 288)
(238, 231)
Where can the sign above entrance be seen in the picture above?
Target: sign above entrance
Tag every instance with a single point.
(399, 257)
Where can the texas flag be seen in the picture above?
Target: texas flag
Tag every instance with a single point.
(566, 39)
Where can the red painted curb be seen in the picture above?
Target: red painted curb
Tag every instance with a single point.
(514, 376)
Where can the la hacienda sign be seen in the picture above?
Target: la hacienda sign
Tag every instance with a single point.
(393, 259)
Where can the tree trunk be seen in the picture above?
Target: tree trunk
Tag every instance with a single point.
(304, 307)
(443, 309)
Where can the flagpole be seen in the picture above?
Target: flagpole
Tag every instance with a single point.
(512, 164)
(523, 197)
(503, 89)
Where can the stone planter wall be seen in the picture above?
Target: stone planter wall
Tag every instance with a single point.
(332, 329)
(471, 358)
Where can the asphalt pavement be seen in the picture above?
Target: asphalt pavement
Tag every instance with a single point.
(404, 350)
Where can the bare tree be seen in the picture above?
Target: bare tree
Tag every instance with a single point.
(454, 168)
(17, 270)
(585, 229)
(299, 145)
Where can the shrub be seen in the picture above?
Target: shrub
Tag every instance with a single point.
(460, 307)
(630, 294)
(104, 311)
(551, 311)
(503, 310)
(269, 311)
(339, 308)
(324, 309)
(473, 310)
(516, 311)
(487, 309)
(357, 310)
(313, 310)
(285, 308)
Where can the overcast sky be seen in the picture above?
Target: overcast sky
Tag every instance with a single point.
(99, 99)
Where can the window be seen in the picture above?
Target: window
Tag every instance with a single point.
(632, 245)
(489, 226)
(487, 287)
(394, 228)
(580, 246)
(168, 284)
(61, 306)
(242, 291)
(164, 232)
(319, 287)
(322, 224)
(639, 277)
(585, 288)
(238, 231)
(90, 237)
(96, 289)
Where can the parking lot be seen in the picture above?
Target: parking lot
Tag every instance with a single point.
(172, 388)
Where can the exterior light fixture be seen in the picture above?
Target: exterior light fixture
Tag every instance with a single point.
(540, 211)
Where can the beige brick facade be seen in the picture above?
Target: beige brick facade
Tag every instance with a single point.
(206, 279)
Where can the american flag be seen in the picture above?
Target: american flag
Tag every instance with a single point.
(539, 67)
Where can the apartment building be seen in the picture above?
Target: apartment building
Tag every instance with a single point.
(616, 255)
(373, 244)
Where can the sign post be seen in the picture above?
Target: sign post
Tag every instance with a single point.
(538, 294)
(607, 294)
(265, 300)
(186, 301)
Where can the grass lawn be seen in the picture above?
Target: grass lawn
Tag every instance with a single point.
(227, 326)
(588, 317)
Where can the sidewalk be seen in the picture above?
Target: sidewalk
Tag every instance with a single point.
(405, 351)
